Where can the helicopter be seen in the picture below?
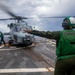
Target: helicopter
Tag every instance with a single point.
(17, 34)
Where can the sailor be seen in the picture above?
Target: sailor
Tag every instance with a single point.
(2, 38)
(65, 46)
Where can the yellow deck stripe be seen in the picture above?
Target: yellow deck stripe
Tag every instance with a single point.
(1, 46)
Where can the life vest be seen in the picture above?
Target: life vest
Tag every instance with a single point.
(66, 45)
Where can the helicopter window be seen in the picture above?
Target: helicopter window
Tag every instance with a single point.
(29, 27)
(11, 24)
(23, 27)
(17, 28)
(26, 27)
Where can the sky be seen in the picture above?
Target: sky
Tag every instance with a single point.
(38, 9)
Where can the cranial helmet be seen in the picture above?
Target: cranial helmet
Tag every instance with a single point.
(69, 22)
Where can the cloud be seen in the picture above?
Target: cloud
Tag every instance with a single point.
(41, 8)
(4, 28)
(54, 7)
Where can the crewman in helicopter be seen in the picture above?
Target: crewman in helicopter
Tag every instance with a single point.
(2, 38)
(65, 46)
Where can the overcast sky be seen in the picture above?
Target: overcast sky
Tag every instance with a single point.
(39, 8)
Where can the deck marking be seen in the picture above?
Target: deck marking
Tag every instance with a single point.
(1, 46)
(51, 69)
(49, 49)
(10, 49)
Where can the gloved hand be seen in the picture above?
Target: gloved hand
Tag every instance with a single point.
(28, 31)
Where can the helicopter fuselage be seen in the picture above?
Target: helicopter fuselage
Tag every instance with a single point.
(18, 36)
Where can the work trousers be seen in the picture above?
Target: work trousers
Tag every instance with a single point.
(2, 40)
(65, 66)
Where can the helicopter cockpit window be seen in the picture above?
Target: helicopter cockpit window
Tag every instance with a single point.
(29, 28)
(26, 27)
(17, 28)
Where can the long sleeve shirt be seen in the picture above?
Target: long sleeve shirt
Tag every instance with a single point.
(50, 35)
(57, 36)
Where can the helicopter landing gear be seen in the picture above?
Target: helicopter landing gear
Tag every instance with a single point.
(27, 42)
(10, 42)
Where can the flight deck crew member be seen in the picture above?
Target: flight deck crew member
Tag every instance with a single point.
(65, 46)
(2, 38)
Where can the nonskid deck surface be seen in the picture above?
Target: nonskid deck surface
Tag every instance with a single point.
(37, 59)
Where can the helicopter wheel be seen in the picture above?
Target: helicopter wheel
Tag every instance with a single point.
(10, 42)
(28, 42)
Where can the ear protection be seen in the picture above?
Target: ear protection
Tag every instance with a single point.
(64, 24)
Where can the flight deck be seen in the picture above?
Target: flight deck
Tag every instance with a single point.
(37, 59)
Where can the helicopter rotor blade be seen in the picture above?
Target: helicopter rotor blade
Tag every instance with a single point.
(7, 19)
(49, 17)
(24, 22)
(58, 16)
(6, 9)
(9, 12)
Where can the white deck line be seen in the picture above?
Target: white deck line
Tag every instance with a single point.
(26, 70)
(10, 49)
